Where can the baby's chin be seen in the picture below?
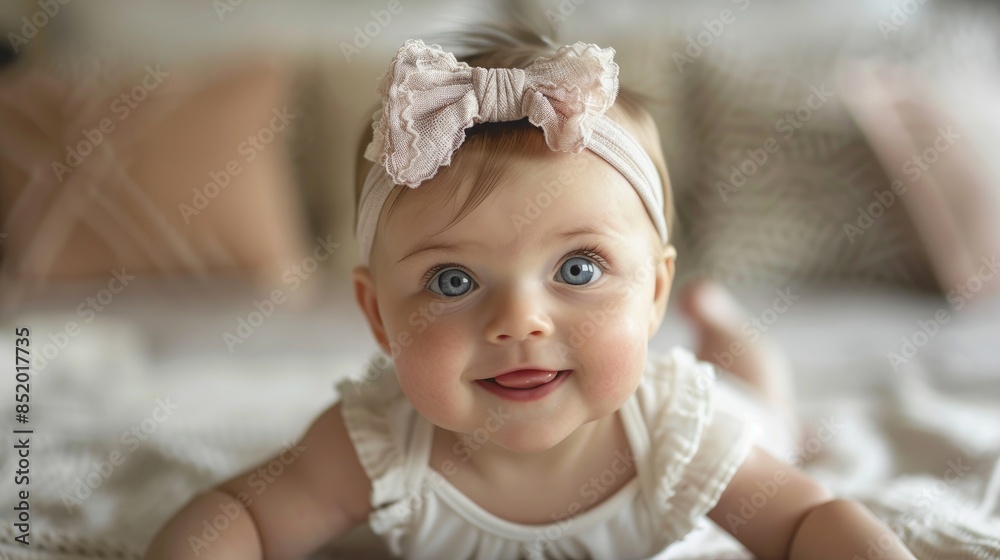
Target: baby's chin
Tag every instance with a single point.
(538, 436)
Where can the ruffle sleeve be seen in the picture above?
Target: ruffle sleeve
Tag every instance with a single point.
(378, 420)
(695, 448)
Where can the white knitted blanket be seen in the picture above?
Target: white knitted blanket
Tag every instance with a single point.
(146, 407)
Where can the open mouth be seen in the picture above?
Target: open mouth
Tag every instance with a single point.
(525, 385)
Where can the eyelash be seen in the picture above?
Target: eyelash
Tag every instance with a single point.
(595, 252)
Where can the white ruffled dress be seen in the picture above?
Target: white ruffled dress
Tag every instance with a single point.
(687, 433)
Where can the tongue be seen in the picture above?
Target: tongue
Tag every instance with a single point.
(527, 379)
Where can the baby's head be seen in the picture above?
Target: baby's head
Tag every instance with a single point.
(517, 256)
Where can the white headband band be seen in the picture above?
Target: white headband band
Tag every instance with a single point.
(429, 99)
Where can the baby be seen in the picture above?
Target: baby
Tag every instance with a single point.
(514, 230)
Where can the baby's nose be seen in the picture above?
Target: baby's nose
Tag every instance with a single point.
(518, 317)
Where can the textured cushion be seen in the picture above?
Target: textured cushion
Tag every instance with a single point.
(775, 216)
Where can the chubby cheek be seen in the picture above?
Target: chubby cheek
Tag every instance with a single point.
(430, 371)
(615, 358)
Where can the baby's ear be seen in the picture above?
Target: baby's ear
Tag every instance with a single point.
(364, 294)
(664, 270)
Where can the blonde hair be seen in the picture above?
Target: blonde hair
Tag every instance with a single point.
(498, 145)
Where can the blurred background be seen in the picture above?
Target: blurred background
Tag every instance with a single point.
(176, 222)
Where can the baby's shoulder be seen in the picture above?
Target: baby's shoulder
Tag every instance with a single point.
(379, 421)
(678, 404)
(674, 406)
(689, 446)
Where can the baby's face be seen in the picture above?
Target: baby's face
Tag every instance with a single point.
(519, 283)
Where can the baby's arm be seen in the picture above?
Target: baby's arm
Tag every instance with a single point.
(320, 492)
(798, 518)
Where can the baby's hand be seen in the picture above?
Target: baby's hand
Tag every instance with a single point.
(776, 511)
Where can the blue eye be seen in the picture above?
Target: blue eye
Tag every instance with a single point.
(578, 271)
(452, 282)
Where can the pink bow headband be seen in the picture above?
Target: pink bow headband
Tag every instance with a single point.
(429, 99)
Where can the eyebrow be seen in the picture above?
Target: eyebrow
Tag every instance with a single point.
(582, 230)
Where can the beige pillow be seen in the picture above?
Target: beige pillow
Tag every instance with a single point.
(150, 170)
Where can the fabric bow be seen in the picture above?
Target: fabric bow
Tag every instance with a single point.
(429, 99)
